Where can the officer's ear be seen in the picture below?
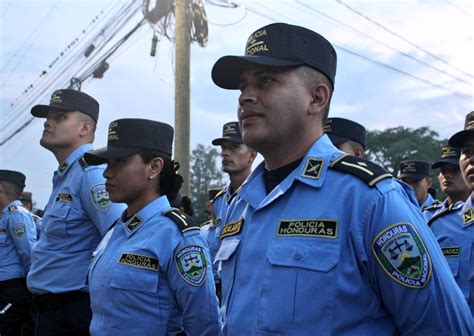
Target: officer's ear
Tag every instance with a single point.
(156, 166)
(320, 94)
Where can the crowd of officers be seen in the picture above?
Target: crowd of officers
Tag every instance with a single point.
(316, 240)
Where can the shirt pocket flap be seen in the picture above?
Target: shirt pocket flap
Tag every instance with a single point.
(316, 255)
(135, 279)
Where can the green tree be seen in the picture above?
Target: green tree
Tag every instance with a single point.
(393, 145)
(205, 175)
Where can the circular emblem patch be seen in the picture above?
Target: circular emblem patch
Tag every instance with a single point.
(402, 255)
(192, 265)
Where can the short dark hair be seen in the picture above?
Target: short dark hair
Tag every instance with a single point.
(169, 181)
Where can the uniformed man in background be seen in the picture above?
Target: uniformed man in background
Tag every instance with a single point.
(17, 235)
(457, 238)
(26, 199)
(416, 173)
(79, 212)
(347, 135)
(452, 184)
(318, 242)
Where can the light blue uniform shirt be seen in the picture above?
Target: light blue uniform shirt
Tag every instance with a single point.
(436, 207)
(149, 278)
(17, 235)
(326, 254)
(76, 217)
(454, 229)
(428, 202)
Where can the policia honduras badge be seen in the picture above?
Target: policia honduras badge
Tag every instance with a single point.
(403, 255)
(192, 265)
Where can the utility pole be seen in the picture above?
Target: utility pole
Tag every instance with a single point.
(182, 91)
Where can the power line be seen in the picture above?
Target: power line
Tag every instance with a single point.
(402, 38)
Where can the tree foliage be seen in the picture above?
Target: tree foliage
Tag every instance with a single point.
(205, 175)
(393, 145)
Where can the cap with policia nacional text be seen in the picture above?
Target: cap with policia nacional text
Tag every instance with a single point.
(340, 130)
(449, 155)
(26, 196)
(230, 132)
(13, 176)
(68, 100)
(130, 136)
(458, 139)
(414, 169)
(278, 45)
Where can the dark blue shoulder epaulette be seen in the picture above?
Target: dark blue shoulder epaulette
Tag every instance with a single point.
(364, 169)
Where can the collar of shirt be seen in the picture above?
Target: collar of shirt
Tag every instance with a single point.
(73, 157)
(311, 171)
(468, 212)
(133, 224)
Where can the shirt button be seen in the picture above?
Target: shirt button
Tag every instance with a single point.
(297, 256)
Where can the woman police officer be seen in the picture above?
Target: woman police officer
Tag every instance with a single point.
(151, 274)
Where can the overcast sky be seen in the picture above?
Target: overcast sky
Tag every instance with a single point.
(400, 63)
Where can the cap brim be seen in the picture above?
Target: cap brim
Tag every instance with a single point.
(101, 155)
(41, 111)
(337, 140)
(458, 139)
(219, 141)
(437, 164)
(227, 70)
(412, 176)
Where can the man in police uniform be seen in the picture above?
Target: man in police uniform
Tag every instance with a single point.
(17, 235)
(77, 216)
(457, 237)
(451, 182)
(347, 135)
(416, 173)
(26, 199)
(317, 241)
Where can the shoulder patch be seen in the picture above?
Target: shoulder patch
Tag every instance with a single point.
(83, 163)
(100, 197)
(192, 264)
(12, 208)
(364, 169)
(184, 222)
(401, 253)
(19, 230)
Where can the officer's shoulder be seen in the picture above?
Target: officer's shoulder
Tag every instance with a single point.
(363, 169)
(435, 206)
(13, 208)
(219, 194)
(453, 208)
(184, 222)
(87, 167)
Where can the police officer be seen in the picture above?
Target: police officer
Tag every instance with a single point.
(457, 237)
(151, 274)
(416, 173)
(451, 182)
(26, 199)
(78, 214)
(183, 203)
(347, 135)
(17, 235)
(317, 241)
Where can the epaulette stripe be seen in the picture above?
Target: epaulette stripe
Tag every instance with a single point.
(338, 159)
(179, 218)
(358, 167)
(219, 194)
(381, 177)
(83, 163)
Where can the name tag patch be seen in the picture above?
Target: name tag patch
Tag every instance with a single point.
(452, 251)
(231, 229)
(402, 254)
(138, 260)
(64, 197)
(326, 228)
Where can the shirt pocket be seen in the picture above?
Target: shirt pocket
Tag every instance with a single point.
(56, 225)
(299, 285)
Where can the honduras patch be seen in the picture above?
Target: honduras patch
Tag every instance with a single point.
(192, 265)
(402, 255)
(19, 230)
(100, 197)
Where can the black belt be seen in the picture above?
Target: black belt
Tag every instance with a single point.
(51, 300)
(13, 282)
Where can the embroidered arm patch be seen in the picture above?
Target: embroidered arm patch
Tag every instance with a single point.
(192, 264)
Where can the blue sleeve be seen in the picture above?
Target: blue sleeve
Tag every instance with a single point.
(22, 229)
(96, 201)
(409, 270)
(190, 277)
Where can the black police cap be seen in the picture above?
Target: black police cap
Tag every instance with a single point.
(13, 176)
(341, 130)
(458, 139)
(415, 169)
(278, 45)
(68, 100)
(230, 132)
(449, 155)
(130, 136)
